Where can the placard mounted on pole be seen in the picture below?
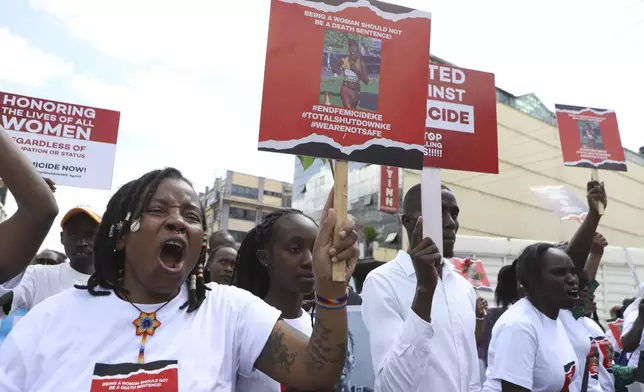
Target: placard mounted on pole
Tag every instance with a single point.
(590, 138)
(460, 134)
(333, 84)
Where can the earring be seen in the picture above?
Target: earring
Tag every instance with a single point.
(136, 225)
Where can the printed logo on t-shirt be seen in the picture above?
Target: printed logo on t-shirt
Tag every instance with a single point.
(593, 361)
(570, 369)
(607, 351)
(160, 376)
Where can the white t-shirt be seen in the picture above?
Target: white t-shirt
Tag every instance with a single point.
(581, 340)
(604, 347)
(40, 282)
(78, 342)
(258, 381)
(530, 350)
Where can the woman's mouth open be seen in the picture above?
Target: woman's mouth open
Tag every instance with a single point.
(172, 255)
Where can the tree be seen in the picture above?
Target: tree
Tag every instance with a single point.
(370, 234)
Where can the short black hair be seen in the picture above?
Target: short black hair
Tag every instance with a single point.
(250, 274)
(221, 237)
(125, 206)
(529, 266)
(412, 201)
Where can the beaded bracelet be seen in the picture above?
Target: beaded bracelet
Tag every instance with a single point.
(331, 303)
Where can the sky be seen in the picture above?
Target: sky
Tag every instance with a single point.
(187, 76)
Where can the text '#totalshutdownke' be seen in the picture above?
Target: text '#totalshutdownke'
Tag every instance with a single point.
(346, 120)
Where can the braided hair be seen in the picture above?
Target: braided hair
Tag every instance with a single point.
(529, 266)
(250, 274)
(126, 206)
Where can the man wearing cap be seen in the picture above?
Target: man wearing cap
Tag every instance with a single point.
(40, 282)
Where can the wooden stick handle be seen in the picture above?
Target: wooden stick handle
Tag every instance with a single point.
(594, 175)
(340, 204)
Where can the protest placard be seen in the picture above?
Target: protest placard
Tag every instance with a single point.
(590, 138)
(565, 204)
(460, 119)
(616, 328)
(461, 133)
(73, 145)
(473, 271)
(343, 81)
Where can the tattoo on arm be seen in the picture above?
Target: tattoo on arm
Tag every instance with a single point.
(321, 352)
(276, 353)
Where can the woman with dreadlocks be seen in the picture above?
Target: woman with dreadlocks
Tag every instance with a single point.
(146, 319)
(275, 263)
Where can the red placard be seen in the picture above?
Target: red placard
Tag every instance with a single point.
(473, 271)
(389, 198)
(74, 145)
(460, 118)
(616, 328)
(590, 138)
(342, 81)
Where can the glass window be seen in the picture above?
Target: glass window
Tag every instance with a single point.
(242, 213)
(274, 194)
(244, 191)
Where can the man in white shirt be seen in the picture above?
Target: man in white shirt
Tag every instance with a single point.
(40, 282)
(422, 327)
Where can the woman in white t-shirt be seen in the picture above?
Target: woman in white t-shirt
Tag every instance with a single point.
(529, 349)
(146, 319)
(274, 263)
(582, 340)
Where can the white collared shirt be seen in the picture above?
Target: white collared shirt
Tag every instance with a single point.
(409, 354)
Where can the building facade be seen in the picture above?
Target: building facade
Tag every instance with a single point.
(311, 189)
(238, 202)
(500, 205)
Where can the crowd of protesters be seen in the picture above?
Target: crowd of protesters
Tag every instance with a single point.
(143, 299)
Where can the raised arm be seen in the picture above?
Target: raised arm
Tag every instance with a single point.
(595, 257)
(579, 246)
(291, 358)
(23, 233)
